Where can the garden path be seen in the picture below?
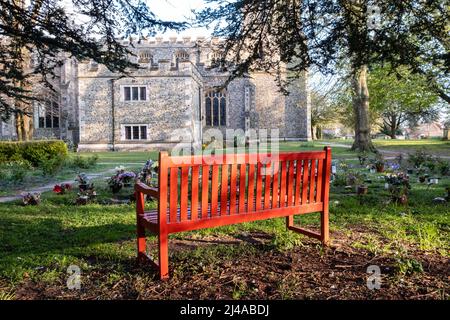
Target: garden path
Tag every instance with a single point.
(49, 186)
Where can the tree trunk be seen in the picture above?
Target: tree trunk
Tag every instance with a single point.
(313, 133)
(393, 132)
(23, 121)
(24, 111)
(319, 133)
(362, 141)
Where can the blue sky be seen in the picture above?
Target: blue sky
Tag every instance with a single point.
(178, 10)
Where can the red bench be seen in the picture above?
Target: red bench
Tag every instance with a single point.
(197, 192)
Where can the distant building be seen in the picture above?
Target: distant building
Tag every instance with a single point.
(425, 130)
(175, 89)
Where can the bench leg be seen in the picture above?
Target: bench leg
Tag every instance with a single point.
(324, 228)
(289, 222)
(141, 243)
(163, 256)
(323, 236)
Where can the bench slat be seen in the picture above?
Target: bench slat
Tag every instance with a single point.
(313, 180)
(233, 188)
(151, 216)
(244, 217)
(258, 186)
(275, 185)
(214, 189)
(267, 185)
(205, 190)
(298, 182)
(305, 181)
(290, 183)
(194, 188)
(184, 192)
(173, 194)
(224, 189)
(283, 184)
(242, 177)
(319, 181)
(189, 161)
(251, 188)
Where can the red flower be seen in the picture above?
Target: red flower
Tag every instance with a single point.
(57, 189)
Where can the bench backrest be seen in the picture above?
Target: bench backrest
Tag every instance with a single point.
(196, 188)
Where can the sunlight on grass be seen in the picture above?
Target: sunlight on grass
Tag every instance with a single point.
(39, 242)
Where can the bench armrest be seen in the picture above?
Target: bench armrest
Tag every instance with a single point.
(140, 187)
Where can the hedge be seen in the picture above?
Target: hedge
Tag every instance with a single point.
(33, 151)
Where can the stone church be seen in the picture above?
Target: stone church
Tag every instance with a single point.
(175, 90)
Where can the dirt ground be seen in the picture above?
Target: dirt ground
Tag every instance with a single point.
(307, 271)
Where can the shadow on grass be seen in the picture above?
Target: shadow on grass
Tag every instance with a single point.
(36, 236)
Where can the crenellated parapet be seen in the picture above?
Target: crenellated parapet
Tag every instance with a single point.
(159, 56)
(186, 41)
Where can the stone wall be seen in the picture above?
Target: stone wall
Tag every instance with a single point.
(66, 86)
(169, 112)
(176, 93)
(7, 130)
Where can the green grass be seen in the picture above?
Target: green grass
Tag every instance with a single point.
(434, 146)
(107, 161)
(124, 158)
(131, 161)
(39, 243)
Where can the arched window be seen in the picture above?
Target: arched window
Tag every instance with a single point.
(214, 58)
(145, 57)
(48, 114)
(216, 108)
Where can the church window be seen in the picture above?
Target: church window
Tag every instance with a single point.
(145, 57)
(48, 114)
(180, 55)
(215, 108)
(135, 132)
(134, 93)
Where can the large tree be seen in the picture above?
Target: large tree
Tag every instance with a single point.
(46, 30)
(401, 98)
(299, 34)
(324, 109)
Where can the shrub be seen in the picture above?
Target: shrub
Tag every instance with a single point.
(83, 162)
(36, 152)
(443, 167)
(419, 158)
(14, 171)
(51, 166)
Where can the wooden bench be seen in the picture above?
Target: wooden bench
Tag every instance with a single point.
(197, 192)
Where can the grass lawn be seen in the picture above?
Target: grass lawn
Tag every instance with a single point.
(134, 161)
(437, 147)
(259, 260)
